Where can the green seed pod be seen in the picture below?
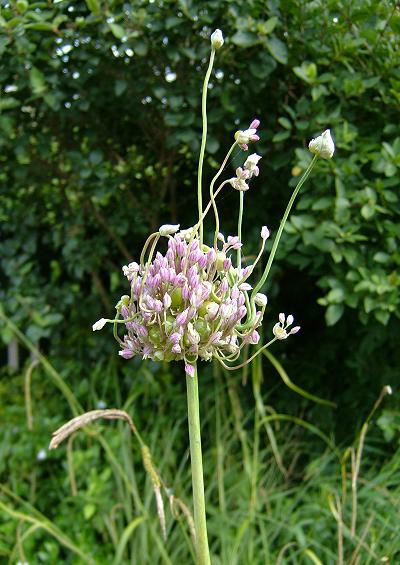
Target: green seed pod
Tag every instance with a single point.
(125, 299)
(159, 355)
(155, 335)
(203, 328)
(220, 260)
(176, 297)
(169, 324)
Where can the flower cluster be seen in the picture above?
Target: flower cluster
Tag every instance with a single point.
(249, 170)
(187, 303)
(243, 138)
(280, 329)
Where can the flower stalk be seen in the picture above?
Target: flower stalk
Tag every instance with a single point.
(202, 550)
(203, 142)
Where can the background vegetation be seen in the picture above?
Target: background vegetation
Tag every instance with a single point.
(99, 137)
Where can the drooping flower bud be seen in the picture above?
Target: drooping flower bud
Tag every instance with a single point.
(260, 300)
(323, 145)
(217, 39)
(168, 229)
(99, 324)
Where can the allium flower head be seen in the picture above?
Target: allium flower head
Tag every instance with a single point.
(187, 304)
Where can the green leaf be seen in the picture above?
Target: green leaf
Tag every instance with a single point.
(278, 50)
(281, 136)
(93, 5)
(245, 39)
(336, 295)
(42, 26)
(285, 123)
(140, 48)
(333, 314)
(117, 30)
(89, 510)
(270, 25)
(262, 69)
(120, 87)
(382, 316)
(307, 72)
(8, 103)
(37, 79)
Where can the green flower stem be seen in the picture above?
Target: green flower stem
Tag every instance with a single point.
(212, 195)
(247, 360)
(202, 551)
(240, 220)
(203, 142)
(282, 225)
(276, 243)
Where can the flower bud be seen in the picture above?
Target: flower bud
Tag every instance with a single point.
(264, 232)
(289, 320)
(168, 229)
(220, 260)
(99, 324)
(217, 39)
(260, 300)
(323, 145)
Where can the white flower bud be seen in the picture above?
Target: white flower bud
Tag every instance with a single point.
(244, 137)
(217, 39)
(252, 162)
(168, 229)
(282, 318)
(323, 145)
(264, 232)
(99, 324)
(260, 300)
(289, 320)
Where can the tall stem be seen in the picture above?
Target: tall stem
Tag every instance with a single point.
(203, 141)
(282, 225)
(202, 551)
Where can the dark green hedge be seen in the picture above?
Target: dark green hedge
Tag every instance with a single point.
(99, 137)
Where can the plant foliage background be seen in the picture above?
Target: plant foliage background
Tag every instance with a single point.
(99, 137)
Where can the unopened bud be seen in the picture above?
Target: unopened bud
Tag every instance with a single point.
(264, 232)
(217, 39)
(323, 145)
(260, 300)
(168, 229)
(99, 324)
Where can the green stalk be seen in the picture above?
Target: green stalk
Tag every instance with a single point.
(202, 551)
(276, 243)
(282, 225)
(240, 220)
(203, 142)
